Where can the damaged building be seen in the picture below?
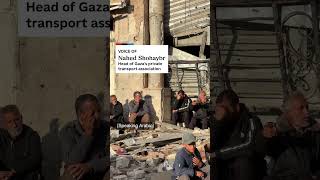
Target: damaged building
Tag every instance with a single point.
(184, 26)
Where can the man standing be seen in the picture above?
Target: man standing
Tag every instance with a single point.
(294, 145)
(238, 140)
(181, 109)
(20, 148)
(84, 142)
(138, 110)
(201, 112)
(188, 163)
(116, 111)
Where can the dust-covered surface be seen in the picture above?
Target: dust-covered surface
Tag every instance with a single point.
(149, 154)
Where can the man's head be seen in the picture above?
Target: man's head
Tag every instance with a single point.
(189, 142)
(113, 99)
(137, 96)
(202, 96)
(12, 120)
(181, 94)
(296, 110)
(228, 101)
(88, 104)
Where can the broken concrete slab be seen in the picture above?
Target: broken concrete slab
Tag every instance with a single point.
(129, 142)
(123, 162)
(163, 139)
(138, 174)
(114, 133)
(121, 177)
(171, 126)
(153, 162)
(122, 136)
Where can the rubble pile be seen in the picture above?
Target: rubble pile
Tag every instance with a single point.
(137, 154)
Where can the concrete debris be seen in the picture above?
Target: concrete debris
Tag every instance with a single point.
(165, 166)
(129, 142)
(138, 174)
(152, 162)
(121, 177)
(139, 154)
(123, 162)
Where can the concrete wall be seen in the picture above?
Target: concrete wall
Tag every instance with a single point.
(53, 72)
(43, 76)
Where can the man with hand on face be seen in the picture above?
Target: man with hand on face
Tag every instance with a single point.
(84, 142)
(201, 110)
(181, 109)
(294, 144)
(20, 148)
(238, 148)
(188, 163)
(138, 110)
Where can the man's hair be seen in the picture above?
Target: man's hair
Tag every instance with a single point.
(229, 95)
(181, 92)
(10, 109)
(136, 93)
(288, 101)
(113, 96)
(85, 98)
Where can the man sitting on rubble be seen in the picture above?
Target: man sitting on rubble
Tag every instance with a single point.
(294, 146)
(181, 109)
(201, 112)
(188, 163)
(138, 108)
(20, 147)
(84, 142)
(116, 111)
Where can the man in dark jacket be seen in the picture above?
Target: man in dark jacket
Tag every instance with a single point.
(238, 141)
(116, 111)
(84, 142)
(181, 109)
(139, 112)
(20, 148)
(188, 163)
(201, 112)
(295, 147)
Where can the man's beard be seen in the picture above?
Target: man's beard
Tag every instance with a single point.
(15, 132)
